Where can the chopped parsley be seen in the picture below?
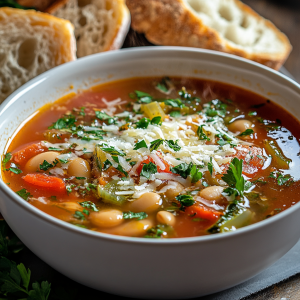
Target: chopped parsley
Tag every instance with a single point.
(247, 132)
(6, 159)
(252, 113)
(155, 144)
(173, 145)
(143, 123)
(210, 167)
(156, 120)
(113, 151)
(216, 108)
(143, 97)
(24, 194)
(132, 215)
(234, 178)
(140, 144)
(103, 116)
(148, 170)
(79, 215)
(158, 231)
(64, 123)
(202, 134)
(184, 170)
(45, 166)
(55, 149)
(175, 114)
(107, 164)
(176, 103)
(14, 168)
(185, 201)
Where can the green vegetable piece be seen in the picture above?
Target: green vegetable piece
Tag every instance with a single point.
(246, 132)
(64, 123)
(45, 166)
(143, 123)
(6, 159)
(132, 215)
(156, 120)
(143, 97)
(148, 169)
(103, 116)
(175, 114)
(79, 215)
(155, 144)
(279, 160)
(113, 151)
(108, 193)
(202, 134)
(173, 145)
(235, 217)
(140, 144)
(210, 167)
(234, 177)
(15, 169)
(24, 194)
(184, 170)
(177, 103)
(185, 200)
(196, 175)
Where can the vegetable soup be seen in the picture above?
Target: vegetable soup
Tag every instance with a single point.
(158, 158)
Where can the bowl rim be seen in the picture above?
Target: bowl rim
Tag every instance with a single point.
(12, 99)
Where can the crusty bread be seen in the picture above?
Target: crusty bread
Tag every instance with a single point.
(224, 25)
(31, 43)
(100, 25)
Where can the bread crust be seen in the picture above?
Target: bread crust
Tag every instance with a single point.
(173, 23)
(122, 23)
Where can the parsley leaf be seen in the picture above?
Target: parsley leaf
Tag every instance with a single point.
(185, 200)
(162, 87)
(55, 149)
(140, 144)
(64, 123)
(173, 145)
(6, 159)
(143, 97)
(183, 169)
(148, 169)
(143, 123)
(103, 116)
(174, 103)
(113, 151)
(24, 194)
(175, 114)
(210, 167)
(216, 108)
(252, 113)
(155, 144)
(14, 168)
(202, 134)
(196, 175)
(246, 132)
(158, 231)
(234, 177)
(132, 215)
(89, 204)
(79, 215)
(45, 166)
(107, 164)
(156, 120)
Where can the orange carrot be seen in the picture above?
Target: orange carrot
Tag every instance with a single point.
(46, 181)
(198, 211)
(20, 156)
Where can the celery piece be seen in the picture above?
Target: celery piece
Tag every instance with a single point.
(235, 217)
(99, 157)
(279, 160)
(152, 110)
(108, 193)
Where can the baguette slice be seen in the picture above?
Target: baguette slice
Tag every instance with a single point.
(224, 25)
(31, 43)
(100, 25)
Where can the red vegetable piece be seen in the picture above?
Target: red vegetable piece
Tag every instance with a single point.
(199, 211)
(41, 180)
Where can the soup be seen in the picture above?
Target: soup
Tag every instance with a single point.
(158, 158)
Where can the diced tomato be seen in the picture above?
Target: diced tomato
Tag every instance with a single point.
(253, 160)
(45, 181)
(28, 152)
(159, 170)
(199, 211)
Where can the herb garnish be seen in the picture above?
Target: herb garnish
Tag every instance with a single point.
(202, 134)
(24, 194)
(6, 159)
(45, 166)
(185, 201)
(155, 144)
(148, 169)
(210, 167)
(65, 122)
(14, 168)
(246, 132)
(140, 144)
(103, 116)
(132, 215)
(143, 97)
(173, 145)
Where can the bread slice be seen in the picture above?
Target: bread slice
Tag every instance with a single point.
(31, 43)
(224, 25)
(100, 25)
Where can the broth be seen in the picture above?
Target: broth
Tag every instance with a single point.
(164, 161)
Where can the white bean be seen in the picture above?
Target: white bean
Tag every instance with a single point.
(148, 203)
(165, 217)
(34, 163)
(106, 218)
(212, 193)
(240, 125)
(174, 191)
(79, 167)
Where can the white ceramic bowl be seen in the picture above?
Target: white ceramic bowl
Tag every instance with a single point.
(146, 268)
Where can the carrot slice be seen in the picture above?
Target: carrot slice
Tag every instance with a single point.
(198, 211)
(20, 156)
(159, 170)
(45, 181)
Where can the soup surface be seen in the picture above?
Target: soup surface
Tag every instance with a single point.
(158, 158)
